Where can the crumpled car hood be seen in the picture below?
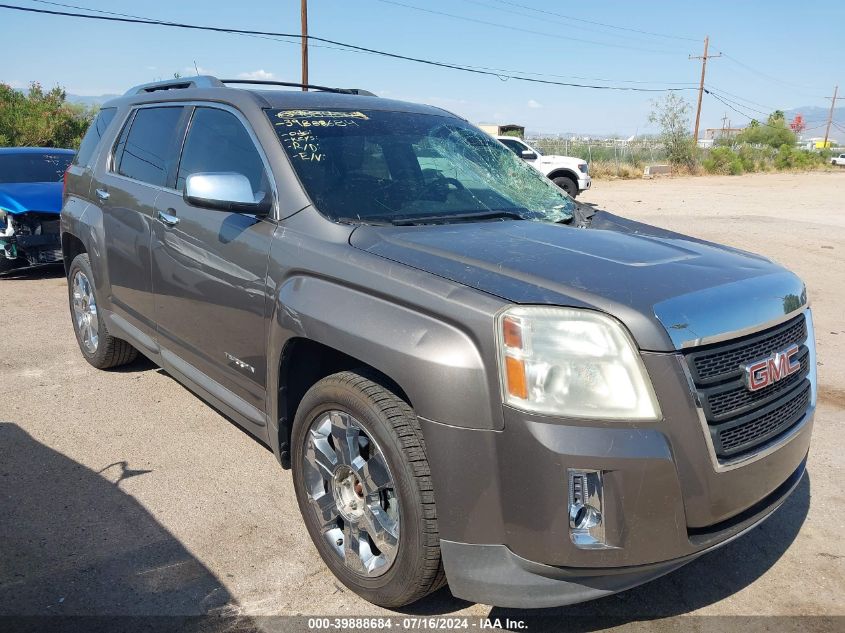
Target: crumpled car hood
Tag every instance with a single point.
(31, 196)
(630, 270)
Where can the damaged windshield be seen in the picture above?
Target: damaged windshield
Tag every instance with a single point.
(408, 168)
(33, 167)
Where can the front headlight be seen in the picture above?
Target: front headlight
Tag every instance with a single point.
(573, 363)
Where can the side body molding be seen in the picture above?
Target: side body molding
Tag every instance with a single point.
(435, 363)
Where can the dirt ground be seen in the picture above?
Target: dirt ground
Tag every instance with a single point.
(122, 493)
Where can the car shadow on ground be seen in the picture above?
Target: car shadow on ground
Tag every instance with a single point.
(72, 543)
(705, 581)
(31, 273)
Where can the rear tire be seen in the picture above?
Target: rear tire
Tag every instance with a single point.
(99, 348)
(374, 523)
(567, 184)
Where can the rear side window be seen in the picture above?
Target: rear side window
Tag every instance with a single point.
(148, 151)
(218, 142)
(92, 137)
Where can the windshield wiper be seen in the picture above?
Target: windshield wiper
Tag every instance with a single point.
(457, 217)
(369, 221)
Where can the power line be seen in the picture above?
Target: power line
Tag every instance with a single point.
(584, 21)
(296, 42)
(769, 77)
(353, 47)
(740, 105)
(743, 99)
(743, 114)
(548, 17)
(296, 38)
(520, 29)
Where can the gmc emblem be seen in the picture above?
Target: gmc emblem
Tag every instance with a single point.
(767, 371)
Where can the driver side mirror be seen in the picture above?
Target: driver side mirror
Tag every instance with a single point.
(527, 154)
(224, 191)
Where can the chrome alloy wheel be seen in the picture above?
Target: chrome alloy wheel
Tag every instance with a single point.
(85, 312)
(352, 493)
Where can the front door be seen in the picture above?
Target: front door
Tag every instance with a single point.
(210, 267)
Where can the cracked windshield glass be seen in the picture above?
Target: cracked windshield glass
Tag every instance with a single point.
(408, 168)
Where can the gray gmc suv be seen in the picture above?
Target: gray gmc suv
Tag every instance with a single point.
(473, 378)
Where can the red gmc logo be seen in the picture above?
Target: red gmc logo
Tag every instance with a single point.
(767, 371)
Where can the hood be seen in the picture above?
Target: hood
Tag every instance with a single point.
(554, 159)
(670, 290)
(31, 196)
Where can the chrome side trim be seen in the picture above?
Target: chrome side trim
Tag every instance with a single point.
(776, 443)
(726, 312)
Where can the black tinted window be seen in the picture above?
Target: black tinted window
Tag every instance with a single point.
(33, 166)
(218, 142)
(514, 146)
(93, 135)
(148, 151)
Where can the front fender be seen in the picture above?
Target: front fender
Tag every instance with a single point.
(435, 363)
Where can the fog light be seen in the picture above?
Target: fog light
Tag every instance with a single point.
(586, 524)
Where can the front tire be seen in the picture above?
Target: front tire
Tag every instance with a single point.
(364, 488)
(567, 184)
(99, 348)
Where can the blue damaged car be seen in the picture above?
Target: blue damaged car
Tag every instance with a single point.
(30, 203)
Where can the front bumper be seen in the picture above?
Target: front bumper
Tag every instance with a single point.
(493, 574)
(31, 238)
(584, 182)
(665, 503)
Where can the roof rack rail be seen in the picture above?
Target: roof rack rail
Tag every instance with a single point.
(181, 83)
(207, 81)
(288, 84)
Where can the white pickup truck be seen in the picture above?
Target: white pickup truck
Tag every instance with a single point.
(838, 160)
(570, 174)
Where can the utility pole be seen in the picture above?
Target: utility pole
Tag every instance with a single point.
(304, 45)
(830, 114)
(704, 57)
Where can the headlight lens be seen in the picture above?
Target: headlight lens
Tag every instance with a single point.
(573, 363)
(583, 167)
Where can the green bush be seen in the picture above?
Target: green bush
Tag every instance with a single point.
(41, 119)
(723, 160)
(774, 133)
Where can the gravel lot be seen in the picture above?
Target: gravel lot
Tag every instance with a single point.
(122, 493)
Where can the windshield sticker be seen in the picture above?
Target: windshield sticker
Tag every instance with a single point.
(321, 114)
(319, 118)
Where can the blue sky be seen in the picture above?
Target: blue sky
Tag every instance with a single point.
(781, 54)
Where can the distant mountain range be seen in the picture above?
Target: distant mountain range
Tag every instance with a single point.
(90, 100)
(814, 117)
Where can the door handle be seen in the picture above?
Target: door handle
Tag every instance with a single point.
(102, 194)
(168, 219)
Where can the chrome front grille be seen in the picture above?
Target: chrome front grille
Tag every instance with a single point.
(764, 426)
(721, 361)
(739, 420)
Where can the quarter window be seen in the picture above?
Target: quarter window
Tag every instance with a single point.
(217, 142)
(148, 151)
(93, 135)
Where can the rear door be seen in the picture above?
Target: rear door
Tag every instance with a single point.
(210, 266)
(144, 159)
